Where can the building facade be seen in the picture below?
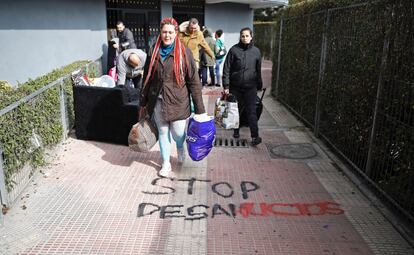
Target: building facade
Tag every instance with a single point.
(37, 37)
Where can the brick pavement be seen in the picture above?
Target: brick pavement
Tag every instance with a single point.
(283, 197)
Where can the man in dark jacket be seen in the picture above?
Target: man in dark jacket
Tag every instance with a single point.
(126, 38)
(242, 78)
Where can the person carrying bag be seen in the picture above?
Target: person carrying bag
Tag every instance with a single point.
(170, 80)
(243, 79)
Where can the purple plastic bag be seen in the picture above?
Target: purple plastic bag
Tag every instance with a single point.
(200, 138)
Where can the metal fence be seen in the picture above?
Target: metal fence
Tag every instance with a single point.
(22, 177)
(348, 73)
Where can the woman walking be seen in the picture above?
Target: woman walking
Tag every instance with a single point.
(242, 77)
(170, 76)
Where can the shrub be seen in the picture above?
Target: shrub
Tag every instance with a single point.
(35, 122)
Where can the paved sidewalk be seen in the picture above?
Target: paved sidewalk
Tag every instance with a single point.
(284, 196)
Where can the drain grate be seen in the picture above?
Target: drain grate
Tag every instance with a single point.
(230, 142)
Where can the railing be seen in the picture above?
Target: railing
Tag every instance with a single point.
(348, 73)
(21, 177)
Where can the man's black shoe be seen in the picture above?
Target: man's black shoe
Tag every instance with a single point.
(256, 140)
(218, 85)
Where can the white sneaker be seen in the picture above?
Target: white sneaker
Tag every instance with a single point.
(165, 170)
(181, 155)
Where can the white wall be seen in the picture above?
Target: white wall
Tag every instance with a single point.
(231, 18)
(166, 9)
(39, 36)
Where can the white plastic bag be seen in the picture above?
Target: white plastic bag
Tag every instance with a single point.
(226, 113)
(231, 116)
(105, 81)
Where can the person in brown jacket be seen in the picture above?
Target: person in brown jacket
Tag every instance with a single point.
(192, 38)
(170, 78)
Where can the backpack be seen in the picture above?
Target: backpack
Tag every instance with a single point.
(222, 52)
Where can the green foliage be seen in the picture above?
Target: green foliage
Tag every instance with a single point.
(355, 39)
(265, 37)
(5, 86)
(39, 119)
(292, 2)
(9, 96)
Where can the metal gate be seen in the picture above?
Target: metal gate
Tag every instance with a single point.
(141, 17)
(183, 10)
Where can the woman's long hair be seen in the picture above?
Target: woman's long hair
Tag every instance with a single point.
(180, 58)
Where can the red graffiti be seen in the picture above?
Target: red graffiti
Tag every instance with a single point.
(287, 209)
(246, 210)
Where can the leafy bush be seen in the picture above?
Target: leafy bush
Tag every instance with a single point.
(36, 122)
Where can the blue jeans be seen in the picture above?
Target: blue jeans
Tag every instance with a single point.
(165, 128)
(218, 73)
(203, 74)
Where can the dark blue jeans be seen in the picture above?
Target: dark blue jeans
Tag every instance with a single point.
(203, 74)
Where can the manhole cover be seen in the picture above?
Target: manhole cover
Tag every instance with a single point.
(293, 151)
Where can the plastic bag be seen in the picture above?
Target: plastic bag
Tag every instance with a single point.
(226, 113)
(112, 72)
(230, 118)
(219, 109)
(79, 78)
(201, 133)
(143, 136)
(105, 81)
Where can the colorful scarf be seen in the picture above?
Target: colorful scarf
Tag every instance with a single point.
(165, 50)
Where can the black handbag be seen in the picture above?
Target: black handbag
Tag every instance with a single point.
(222, 52)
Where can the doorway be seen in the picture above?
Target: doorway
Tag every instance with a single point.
(141, 17)
(185, 9)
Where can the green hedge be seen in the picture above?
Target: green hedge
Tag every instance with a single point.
(264, 38)
(301, 7)
(40, 116)
(356, 32)
(292, 2)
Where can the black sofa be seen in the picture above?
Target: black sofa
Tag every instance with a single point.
(104, 114)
